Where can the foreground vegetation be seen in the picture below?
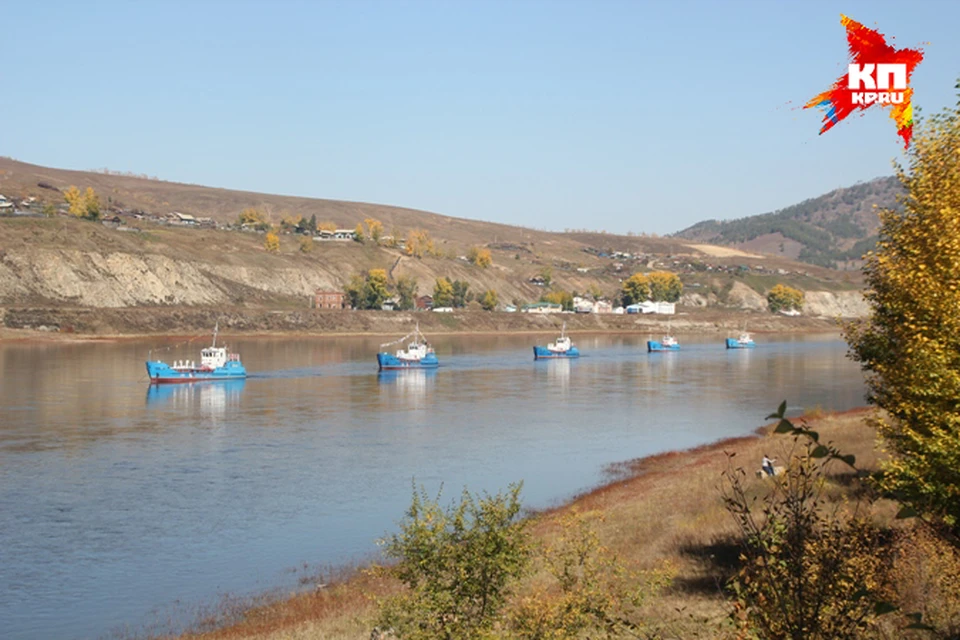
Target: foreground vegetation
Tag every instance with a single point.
(655, 553)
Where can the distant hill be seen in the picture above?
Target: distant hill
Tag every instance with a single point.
(833, 230)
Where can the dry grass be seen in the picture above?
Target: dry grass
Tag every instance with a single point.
(664, 510)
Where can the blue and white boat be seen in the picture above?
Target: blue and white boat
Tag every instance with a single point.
(561, 348)
(418, 354)
(216, 363)
(742, 342)
(667, 343)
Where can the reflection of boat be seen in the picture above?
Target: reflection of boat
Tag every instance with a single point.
(561, 348)
(742, 342)
(668, 343)
(213, 394)
(418, 354)
(215, 364)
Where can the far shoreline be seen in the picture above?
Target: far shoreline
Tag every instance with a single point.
(62, 325)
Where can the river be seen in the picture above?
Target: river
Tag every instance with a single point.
(124, 505)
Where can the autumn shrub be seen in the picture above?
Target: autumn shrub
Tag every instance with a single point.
(457, 564)
(589, 591)
(807, 570)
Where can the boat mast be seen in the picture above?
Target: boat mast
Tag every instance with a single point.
(215, 327)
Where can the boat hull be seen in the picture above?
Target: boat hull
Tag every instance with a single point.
(390, 362)
(654, 345)
(162, 373)
(542, 353)
(733, 343)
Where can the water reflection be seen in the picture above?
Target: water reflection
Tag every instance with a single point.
(211, 398)
(411, 386)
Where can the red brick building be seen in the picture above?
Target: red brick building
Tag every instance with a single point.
(323, 299)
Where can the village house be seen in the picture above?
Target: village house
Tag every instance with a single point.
(424, 303)
(542, 307)
(327, 299)
(540, 281)
(182, 218)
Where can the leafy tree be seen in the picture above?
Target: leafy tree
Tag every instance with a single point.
(419, 243)
(91, 204)
(564, 298)
(358, 233)
(272, 242)
(407, 290)
(374, 229)
(375, 290)
(327, 226)
(49, 210)
(83, 204)
(664, 286)
(312, 225)
(595, 292)
(635, 289)
(458, 565)
(489, 300)
(306, 244)
(480, 257)
(460, 295)
(910, 344)
(289, 222)
(782, 297)
(354, 291)
(253, 217)
(443, 293)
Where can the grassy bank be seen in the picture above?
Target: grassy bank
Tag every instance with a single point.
(65, 323)
(662, 513)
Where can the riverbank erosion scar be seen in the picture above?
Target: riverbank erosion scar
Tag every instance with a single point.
(38, 322)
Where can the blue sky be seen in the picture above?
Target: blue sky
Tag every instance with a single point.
(623, 116)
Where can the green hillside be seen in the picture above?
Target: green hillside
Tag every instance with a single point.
(832, 230)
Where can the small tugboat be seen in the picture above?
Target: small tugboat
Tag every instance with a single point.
(215, 364)
(668, 343)
(418, 354)
(743, 342)
(561, 348)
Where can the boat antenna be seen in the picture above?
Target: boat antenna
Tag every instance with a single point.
(215, 327)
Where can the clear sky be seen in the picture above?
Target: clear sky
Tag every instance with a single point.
(623, 116)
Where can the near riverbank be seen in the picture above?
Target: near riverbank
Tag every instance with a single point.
(662, 515)
(81, 323)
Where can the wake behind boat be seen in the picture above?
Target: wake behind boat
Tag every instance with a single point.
(216, 363)
(561, 348)
(418, 354)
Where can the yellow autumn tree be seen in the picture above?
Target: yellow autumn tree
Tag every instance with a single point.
(327, 226)
(419, 244)
(272, 242)
(374, 229)
(74, 199)
(480, 257)
(358, 234)
(664, 286)
(84, 204)
(635, 289)
(784, 298)
(909, 346)
(306, 244)
(255, 218)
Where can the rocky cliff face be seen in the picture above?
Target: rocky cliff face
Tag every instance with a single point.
(841, 304)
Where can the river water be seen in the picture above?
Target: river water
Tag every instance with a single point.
(123, 505)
